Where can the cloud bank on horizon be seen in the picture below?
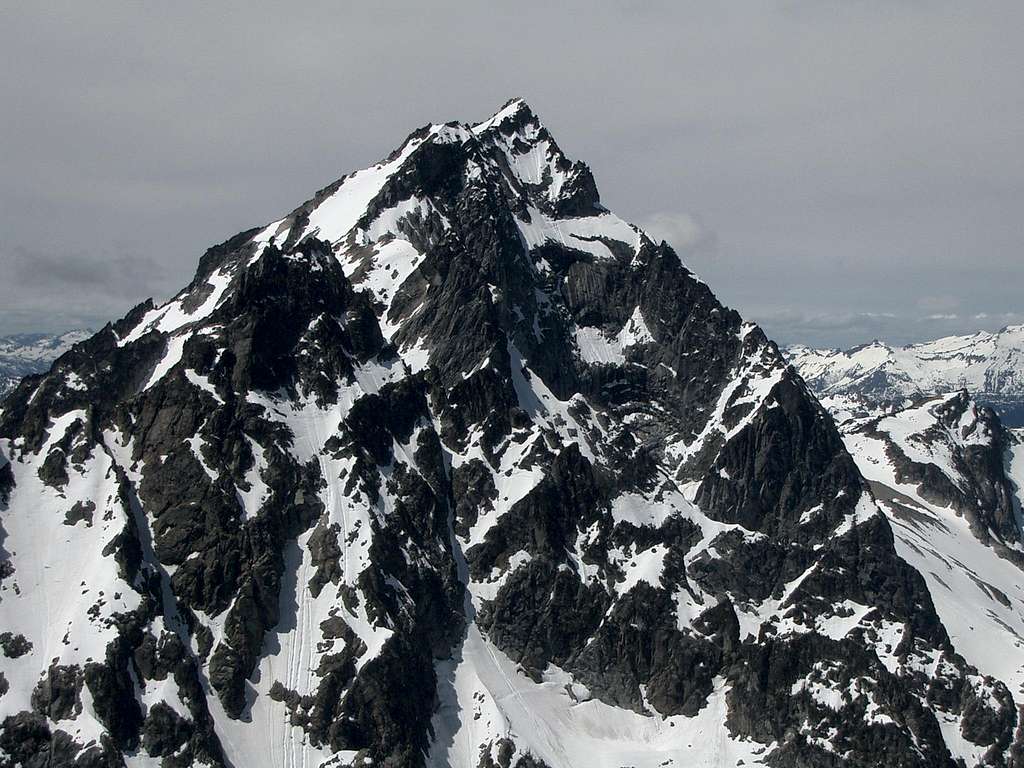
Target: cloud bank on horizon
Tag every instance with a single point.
(836, 171)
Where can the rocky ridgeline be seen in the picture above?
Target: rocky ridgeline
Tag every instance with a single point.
(452, 466)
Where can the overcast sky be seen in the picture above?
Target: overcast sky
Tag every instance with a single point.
(837, 171)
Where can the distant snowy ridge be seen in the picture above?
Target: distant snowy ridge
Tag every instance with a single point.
(989, 365)
(27, 353)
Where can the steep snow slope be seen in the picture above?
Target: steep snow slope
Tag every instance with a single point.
(989, 365)
(452, 466)
(28, 353)
(948, 476)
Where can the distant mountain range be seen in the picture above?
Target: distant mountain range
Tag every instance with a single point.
(27, 353)
(988, 365)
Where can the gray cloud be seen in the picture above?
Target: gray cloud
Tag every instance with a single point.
(43, 291)
(844, 159)
(689, 236)
(847, 329)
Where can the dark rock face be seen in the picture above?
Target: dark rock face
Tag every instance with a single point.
(26, 740)
(14, 646)
(447, 436)
(57, 696)
(988, 497)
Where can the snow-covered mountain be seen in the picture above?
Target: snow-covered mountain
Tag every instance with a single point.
(451, 466)
(27, 353)
(950, 478)
(988, 365)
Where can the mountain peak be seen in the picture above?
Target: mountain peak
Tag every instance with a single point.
(515, 110)
(447, 438)
(554, 183)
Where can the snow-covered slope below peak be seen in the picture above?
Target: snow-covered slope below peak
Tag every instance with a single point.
(990, 365)
(950, 479)
(28, 353)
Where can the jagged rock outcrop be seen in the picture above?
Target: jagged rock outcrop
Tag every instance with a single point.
(452, 466)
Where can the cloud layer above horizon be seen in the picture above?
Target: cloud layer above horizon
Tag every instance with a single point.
(838, 171)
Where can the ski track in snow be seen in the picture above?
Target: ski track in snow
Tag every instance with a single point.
(492, 698)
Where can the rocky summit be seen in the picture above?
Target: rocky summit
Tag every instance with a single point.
(451, 466)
